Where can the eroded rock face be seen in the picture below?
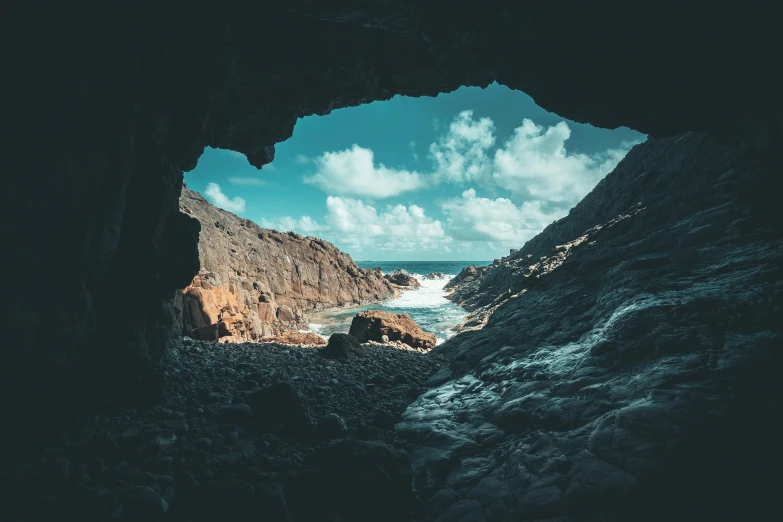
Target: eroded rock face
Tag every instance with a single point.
(379, 326)
(401, 277)
(622, 365)
(256, 283)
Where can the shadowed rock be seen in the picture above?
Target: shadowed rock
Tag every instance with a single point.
(356, 481)
(283, 409)
(341, 346)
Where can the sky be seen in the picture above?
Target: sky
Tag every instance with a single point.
(463, 176)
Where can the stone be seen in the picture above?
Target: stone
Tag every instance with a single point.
(434, 276)
(439, 377)
(144, 503)
(341, 346)
(239, 413)
(373, 325)
(332, 426)
(463, 511)
(203, 443)
(281, 407)
(272, 503)
(229, 499)
(402, 278)
(355, 481)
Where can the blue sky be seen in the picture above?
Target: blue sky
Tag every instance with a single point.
(463, 176)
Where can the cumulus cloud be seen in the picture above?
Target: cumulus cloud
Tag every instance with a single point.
(461, 154)
(472, 218)
(534, 162)
(246, 181)
(354, 172)
(304, 225)
(355, 224)
(215, 195)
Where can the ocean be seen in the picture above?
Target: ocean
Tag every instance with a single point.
(427, 305)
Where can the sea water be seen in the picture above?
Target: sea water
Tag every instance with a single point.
(427, 305)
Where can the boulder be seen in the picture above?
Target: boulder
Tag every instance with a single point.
(402, 277)
(341, 346)
(282, 409)
(374, 325)
(332, 426)
(354, 481)
(435, 275)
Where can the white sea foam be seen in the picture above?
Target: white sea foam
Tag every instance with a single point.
(430, 295)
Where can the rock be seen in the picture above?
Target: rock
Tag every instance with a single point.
(402, 278)
(332, 426)
(144, 503)
(230, 499)
(463, 511)
(355, 481)
(434, 276)
(341, 346)
(373, 325)
(274, 278)
(238, 413)
(296, 338)
(439, 377)
(572, 392)
(384, 338)
(203, 443)
(281, 407)
(271, 502)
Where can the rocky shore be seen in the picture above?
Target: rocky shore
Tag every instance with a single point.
(256, 283)
(239, 432)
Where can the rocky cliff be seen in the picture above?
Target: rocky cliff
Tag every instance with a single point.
(624, 364)
(256, 283)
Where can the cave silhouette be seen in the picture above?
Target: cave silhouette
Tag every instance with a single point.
(105, 105)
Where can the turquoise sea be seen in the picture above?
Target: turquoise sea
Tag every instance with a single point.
(427, 305)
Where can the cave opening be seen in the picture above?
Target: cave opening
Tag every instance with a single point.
(621, 365)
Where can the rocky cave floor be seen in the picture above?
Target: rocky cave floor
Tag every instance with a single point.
(208, 449)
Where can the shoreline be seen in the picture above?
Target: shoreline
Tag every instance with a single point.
(421, 304)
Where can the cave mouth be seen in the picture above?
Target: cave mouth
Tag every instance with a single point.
(96, 138)
(427, 185)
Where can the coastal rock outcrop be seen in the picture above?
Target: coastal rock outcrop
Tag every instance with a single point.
(256, 283)
(623, 364)
(379, 326)
(432, 276)
(403, 278)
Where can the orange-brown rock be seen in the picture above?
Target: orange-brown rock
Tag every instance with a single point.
(256, 283)
(295, 337)
(372, 325)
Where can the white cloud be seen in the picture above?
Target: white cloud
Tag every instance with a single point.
(471, 218)
(353, 172)
(215, 195)
(461, 154)
(301, 159)
(534, 162)
(412, 148)
(353, 224)
(246, 181)
(303, 225)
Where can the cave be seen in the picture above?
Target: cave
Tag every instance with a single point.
(106, 105)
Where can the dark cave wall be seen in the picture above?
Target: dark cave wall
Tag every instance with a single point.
(106, 105)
